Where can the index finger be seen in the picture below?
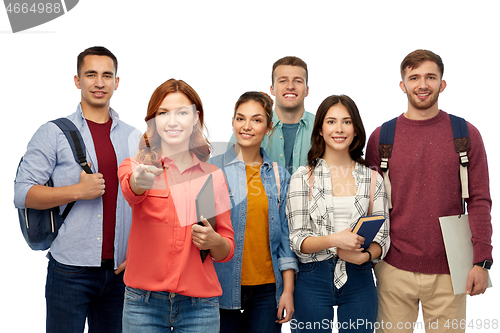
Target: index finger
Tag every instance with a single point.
(140, 168)
(154, 170)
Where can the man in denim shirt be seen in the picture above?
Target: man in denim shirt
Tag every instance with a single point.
(87, 258)
(290, 140)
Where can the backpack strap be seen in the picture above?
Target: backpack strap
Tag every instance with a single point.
(460, 140)
(277, 177)
(75, 140)
(462, 146)
(385, 144)
(373, 187)
(77, 145)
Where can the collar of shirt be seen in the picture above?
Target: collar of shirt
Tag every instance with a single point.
(304, 120)
(192, 170)
(231, 158)
(79, 121)
(322, 169)
(185, 186)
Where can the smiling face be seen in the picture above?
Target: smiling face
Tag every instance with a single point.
(175, 121)
(422, 86)
(250, 124)
(338, 130)
(290, 88)
(97, 81)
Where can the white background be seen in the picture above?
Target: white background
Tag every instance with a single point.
(222, 49)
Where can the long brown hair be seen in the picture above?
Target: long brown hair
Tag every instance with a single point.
(318, 144)
(150, 143)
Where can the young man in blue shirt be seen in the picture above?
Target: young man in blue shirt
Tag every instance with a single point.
(87, 258)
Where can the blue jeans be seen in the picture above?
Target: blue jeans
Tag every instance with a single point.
(259, 312)
(315, 295)
(161, 311)
(74, 294)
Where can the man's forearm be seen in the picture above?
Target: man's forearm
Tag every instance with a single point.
(45, 197)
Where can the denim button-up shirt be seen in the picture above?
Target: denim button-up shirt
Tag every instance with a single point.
(282, 256)
(79, 241)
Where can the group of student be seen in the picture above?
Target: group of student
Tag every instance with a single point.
(288, 191)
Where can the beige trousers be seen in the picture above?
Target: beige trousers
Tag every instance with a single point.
(399, 293)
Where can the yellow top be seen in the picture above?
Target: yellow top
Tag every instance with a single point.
(257, 266)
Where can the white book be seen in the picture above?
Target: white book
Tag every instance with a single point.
(457, 241)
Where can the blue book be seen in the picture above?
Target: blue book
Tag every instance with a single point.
(368, 226)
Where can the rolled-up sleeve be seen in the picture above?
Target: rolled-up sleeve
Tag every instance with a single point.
(286, 257)
(125, 170)
(297, 212)
(37, 164)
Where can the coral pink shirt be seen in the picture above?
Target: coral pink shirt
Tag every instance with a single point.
(161, 255)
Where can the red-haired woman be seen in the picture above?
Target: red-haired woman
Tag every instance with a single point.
(168, 285)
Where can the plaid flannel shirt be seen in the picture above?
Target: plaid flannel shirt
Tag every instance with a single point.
(315, 217)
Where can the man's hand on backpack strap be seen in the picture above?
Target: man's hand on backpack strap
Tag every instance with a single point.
(91, 186)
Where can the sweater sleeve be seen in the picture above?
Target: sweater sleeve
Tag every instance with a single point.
(479, 201)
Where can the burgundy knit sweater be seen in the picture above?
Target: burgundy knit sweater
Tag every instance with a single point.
(424, 174)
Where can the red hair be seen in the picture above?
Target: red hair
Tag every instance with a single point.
(150, 143)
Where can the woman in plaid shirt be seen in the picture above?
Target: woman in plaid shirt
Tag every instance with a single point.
(334, 270)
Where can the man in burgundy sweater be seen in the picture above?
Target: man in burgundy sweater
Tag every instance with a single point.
(424, 175)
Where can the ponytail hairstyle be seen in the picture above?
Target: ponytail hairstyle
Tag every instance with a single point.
(150, 143)
(318, 144)
(260, 97)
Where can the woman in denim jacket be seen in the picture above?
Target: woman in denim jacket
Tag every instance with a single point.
(260, 277)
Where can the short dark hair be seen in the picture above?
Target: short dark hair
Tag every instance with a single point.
(417, 57)
(318, 144)
(289, 61)
(95, 50)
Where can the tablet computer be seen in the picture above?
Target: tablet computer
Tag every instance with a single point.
(205, 206)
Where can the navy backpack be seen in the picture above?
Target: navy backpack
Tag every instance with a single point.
(40, 227)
